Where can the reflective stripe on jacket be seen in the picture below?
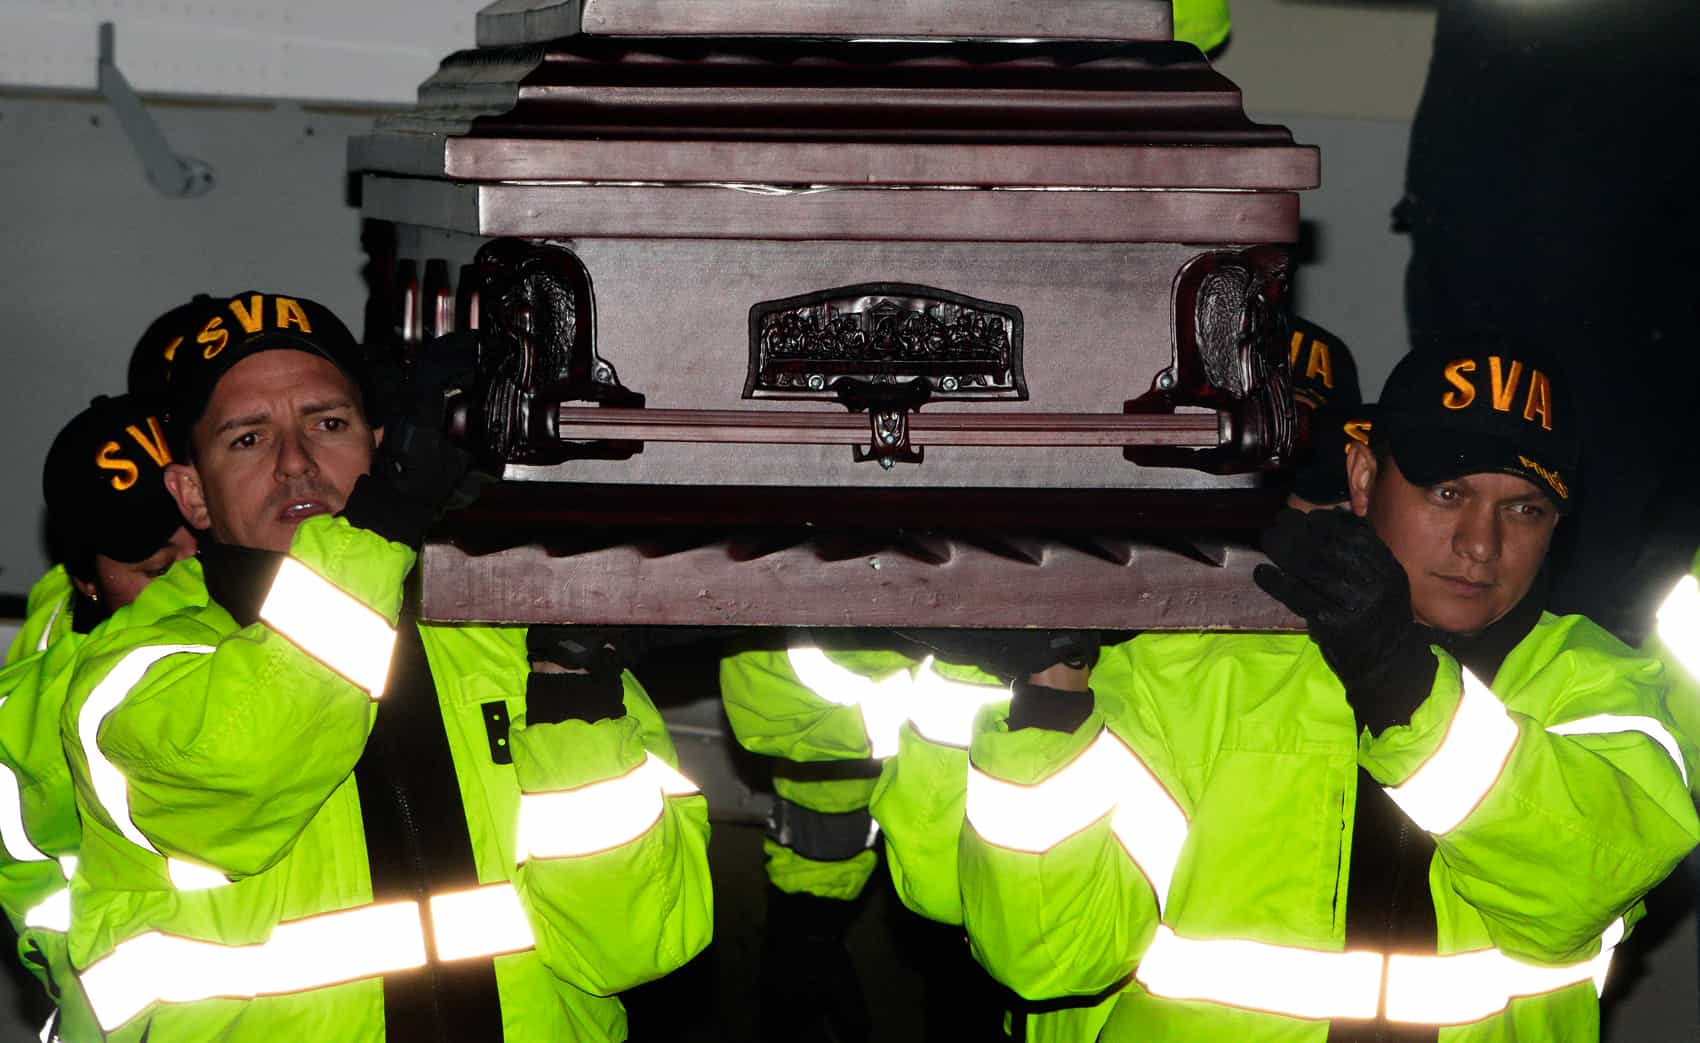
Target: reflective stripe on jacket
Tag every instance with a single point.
(1675, 641)
(224, 889)
(38, 812)
(1193, 838)
(47, 615)
(919, 806)
(811, 706)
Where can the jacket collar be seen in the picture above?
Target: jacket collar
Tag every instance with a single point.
(1484, 653)
(86, 613)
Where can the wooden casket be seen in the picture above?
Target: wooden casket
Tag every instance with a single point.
(795, 312)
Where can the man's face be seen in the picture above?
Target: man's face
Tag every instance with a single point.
(1471, 547)
(282, 439)
(117, 583)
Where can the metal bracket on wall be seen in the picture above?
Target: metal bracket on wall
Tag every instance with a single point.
(178, 177)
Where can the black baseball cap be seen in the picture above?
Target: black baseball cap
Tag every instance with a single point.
(104, 483)
(244, 325)
(1321, 474)
(1324, 372)
(150, 362)
(1491, 408)
(1325, 387)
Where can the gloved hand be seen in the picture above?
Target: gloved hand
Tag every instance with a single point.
(1052, 709)
(585, 682)
(810, 992)
(551, 698)
(387, 391)
(587, 648)
(417, 387)
(591, 649)
(439, 366)
(1011, 655)
(1015, 656)
(1331, 568)
(417, 475)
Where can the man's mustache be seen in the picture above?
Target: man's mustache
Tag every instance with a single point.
(303, 490)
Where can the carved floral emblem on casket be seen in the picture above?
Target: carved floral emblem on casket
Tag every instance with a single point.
(885, 333)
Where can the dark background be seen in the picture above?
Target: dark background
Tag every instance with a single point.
(1551, 195)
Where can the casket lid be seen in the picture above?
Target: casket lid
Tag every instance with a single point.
(510, 22)
(851, 112)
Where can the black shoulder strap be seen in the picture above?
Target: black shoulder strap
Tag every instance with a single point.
(417, 845)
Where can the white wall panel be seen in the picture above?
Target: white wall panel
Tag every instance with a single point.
(91, 254)
(1356, 59)
(338, 50)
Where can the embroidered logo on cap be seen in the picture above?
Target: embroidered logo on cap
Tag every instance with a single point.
(1318, 363)
(1503, 383)
(125, 472)
(1551, 477)
(252, 317)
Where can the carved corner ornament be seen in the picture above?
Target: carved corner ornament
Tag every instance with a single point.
(1230, 318)
(535, 312)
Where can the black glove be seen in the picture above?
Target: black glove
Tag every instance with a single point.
(587, 647)
(590, 691)
(592, 649)
(1013, 655)
(387, 391)
(810, 992)
(1330, 567)
(551, 698)
(418, 386)
(417, 475)
(440, 366)
(1052, 709)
